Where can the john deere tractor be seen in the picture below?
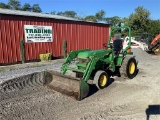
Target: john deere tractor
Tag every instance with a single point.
(94, 67)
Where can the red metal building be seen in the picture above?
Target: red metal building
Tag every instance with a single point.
(79, 35)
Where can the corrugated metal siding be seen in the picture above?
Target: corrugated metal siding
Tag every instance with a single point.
(79, 35)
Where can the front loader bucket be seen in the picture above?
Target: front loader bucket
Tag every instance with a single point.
(67, 85)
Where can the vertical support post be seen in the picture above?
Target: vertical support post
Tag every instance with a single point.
(22, 50)
(64, 48)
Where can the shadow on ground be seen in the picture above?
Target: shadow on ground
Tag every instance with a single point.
(93, 89)
(153, 53)
(152, 110)
(117, 72)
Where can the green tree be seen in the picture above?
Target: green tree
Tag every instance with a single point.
(154, 27)
(114, 21)
(60, 13)
(36, 8)
(79, 18)
(71, 14)
(14, 4)
(139, 20)
(100, 15)
(91, 18)
(27, 7)
(124, 20)
(53, 12)
(5, 6)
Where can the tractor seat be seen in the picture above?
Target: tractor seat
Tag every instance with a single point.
(117, 46)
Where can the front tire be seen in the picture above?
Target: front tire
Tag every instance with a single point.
(101, 79)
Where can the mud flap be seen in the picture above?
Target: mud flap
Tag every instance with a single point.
(70, 86)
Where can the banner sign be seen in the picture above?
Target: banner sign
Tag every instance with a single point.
(34, 33)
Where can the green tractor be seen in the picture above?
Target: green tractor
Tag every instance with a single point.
(94, 67)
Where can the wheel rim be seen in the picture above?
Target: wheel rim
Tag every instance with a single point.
(157, 50)
(103, 80)
(132, 68)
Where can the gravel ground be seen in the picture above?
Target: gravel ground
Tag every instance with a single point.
(122, 100)
(8, 74)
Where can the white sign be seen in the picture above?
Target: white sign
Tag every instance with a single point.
(35, 33)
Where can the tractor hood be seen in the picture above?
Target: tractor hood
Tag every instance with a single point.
(91, 53)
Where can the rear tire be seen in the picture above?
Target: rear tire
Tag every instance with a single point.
(101, 79)
(129, 67)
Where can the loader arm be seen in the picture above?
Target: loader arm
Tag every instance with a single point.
(72, 55)
(90, 67)
(95, 58)
(155, 39)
